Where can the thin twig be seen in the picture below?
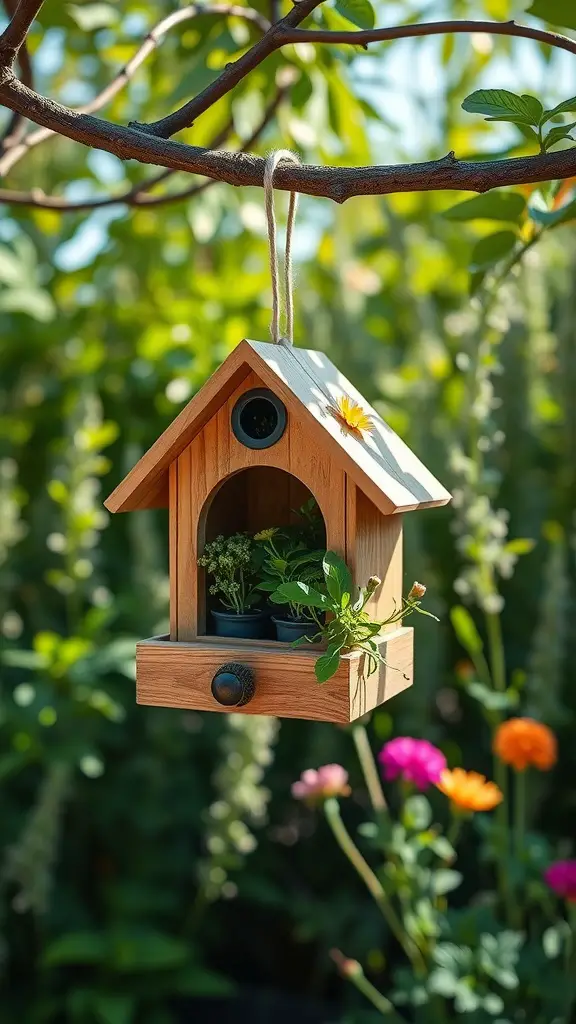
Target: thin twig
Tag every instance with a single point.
(146, 47)
(233, 74)
(16, 127)
(14, 35)
(380, 35)
(353, 971)
(286, 31)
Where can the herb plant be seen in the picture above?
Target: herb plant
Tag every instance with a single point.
(231, 562)
(285, 560)
(348, 626)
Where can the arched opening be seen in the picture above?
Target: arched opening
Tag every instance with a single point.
(249, 501)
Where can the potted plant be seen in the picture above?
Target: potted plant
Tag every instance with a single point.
(348, 626)
(286, 558)
(231, 563)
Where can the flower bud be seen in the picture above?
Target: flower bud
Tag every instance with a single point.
(417, 592)
(373, 584)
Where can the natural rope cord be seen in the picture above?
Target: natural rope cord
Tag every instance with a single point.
(272, 162)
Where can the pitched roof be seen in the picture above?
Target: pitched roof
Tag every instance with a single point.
(379, 462)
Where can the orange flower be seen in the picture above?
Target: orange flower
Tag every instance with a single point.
(524, 743)
(351, 416)
(469, 791)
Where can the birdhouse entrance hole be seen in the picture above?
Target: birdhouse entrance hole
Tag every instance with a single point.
(258, 418)
(250, 500)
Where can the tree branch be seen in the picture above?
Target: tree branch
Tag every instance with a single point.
(138, 194)
(14, 35)
(432, 28)
(148, 45)
(149, 145)
(337, 183)
(285, 32)
(16, 127)
(231, 76)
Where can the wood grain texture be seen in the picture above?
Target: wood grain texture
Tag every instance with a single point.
(148, 479)
(378, 461)
(173, 549)
(374, 548)
(210, 472)
(309, 384)
(188, 610)
(180, 674)
(368, 692)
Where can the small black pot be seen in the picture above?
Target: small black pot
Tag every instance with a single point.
(288, 630)
(248, 625)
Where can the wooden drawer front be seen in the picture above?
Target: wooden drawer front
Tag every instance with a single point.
(179, 674)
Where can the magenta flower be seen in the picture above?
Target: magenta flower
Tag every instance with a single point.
(317, 785)
(561, 877)
(416, 761)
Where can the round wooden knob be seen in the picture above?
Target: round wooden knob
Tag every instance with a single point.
(233, 685)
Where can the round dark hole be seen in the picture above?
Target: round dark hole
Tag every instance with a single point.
(258, 419)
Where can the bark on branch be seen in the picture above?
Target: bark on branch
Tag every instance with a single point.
(337, 183)
(150, 144)
(15, 152)
(14, 35)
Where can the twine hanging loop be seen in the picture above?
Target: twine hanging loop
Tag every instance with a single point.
(271, 164)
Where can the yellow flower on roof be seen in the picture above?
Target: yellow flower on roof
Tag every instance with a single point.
(351, 416)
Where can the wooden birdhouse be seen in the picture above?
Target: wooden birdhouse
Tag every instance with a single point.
(264, 435)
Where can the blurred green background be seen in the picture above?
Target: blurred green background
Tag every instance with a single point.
(151, 858)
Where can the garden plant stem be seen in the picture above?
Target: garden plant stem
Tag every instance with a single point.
(370, 992)
(370, 771)
(519, 812)
(372, 883)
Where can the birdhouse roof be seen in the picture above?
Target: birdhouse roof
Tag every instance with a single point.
(310, 386)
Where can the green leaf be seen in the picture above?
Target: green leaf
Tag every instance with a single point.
(114, 1008)
(556, 12)
(502, 105)
(554, 218)
(555, 938)
(338, 576)
(465, 630)
(39, 305)
(327, 664)
(520, 546)
(567, 106)
(496, 205)
(489, 699)
(76, 948)
(491, 250)
(24, 659)
(11, 270)
(558, 135)
(300, 593)
(417, 813)
(146, 950)
(91, 17)
(445, 880)
(359, 12)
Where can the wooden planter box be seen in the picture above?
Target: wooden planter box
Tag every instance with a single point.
(179, 674)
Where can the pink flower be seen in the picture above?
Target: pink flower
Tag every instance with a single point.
(561, 877)
(317, 785)
(416, 761)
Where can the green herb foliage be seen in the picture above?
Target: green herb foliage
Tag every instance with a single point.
(230, 562)
(348, 626)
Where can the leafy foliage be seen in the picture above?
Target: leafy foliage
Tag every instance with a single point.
(115, 819)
